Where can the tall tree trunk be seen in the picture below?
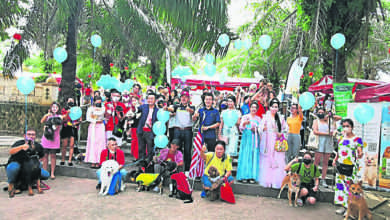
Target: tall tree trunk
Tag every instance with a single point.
(106, 60)
(341, 72)
(69, 65)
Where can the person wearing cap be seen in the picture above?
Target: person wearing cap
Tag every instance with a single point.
(183, 126)
(115, 111)
(171, 154)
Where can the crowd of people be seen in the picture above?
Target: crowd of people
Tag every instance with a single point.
(115, 117)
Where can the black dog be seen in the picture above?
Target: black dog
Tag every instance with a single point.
(31, 173)
(50, 127)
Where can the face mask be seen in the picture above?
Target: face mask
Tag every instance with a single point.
(306, 161)
(347, 129)
(115, 99)
(98, 105)
(70, 104)
(176, 103)
(224, 106)
(321, 116)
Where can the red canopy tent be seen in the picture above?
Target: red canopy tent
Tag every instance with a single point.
(231, 83)
(325, 84)
(373, 94)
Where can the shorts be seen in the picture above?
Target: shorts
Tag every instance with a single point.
(309, 187)
(68, 131)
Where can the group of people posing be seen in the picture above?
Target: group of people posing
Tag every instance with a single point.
(114, 117)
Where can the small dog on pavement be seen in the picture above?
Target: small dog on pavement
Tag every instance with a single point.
(108, 169)
(357, 205)
(293, 181)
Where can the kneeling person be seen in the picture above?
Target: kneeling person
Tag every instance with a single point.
(219, 161)
(309, 174)
(112, 152)
(170, 154)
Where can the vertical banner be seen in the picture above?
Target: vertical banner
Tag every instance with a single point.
(294, 76)
(368, 164)
(342, 96)
(384, 168)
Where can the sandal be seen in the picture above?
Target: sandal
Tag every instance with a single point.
(62, 163)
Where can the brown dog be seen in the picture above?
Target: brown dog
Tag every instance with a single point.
(370, 170)
(357, 205)
(293, 181)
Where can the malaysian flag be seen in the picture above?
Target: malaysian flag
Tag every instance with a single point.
(197, 163)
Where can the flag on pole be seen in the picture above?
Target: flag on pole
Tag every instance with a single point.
(197, 163)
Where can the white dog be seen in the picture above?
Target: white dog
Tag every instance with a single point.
(109, 168)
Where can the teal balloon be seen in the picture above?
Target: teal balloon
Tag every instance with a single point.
(163, 115)
(223, 40)
(96, 40)
(159, 128)
(337, 41)
(210, 69)
(60, 54)
(247, 44)
(209, 58)
(161, 141)
(104, 81)
(238, 44)
(306, 100)
(25, 85)
(75, 113)
(364, 113)
(265, 41)
(185, 71)
(230, 117)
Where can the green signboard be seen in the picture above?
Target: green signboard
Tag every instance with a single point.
(342, 96)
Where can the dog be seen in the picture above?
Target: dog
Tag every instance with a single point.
(357, 205)
(370, 170)
(293, 180)
(30, 173)
(108, 169)
(215, 178)
(180, 187)
(50, 127)
(386, 153)
(147, 181)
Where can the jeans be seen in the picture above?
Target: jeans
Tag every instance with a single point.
(210, 144)
(145, 140)
(185, 137)
(13, 169)
(207, 183)
(123, 174)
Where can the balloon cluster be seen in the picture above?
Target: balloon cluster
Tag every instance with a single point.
(159, 129)
(108, 82)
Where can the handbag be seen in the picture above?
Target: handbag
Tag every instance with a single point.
(281, 144)
(344, 169)
(312, 141)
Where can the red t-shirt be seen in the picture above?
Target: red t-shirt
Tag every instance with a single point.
(110, 123)
(170, 157)
(119, 157)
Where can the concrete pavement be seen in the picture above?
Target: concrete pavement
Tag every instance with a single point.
(76, 198)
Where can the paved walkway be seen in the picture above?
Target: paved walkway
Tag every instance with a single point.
(75, 198)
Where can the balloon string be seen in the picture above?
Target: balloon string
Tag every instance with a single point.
(93, 65)
(335, 71)
(25, 113)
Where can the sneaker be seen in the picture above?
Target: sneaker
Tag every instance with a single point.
(98, 186)
(340, 211)
(299, 202)
(244, 181)
(203, 194)
(323, 183)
